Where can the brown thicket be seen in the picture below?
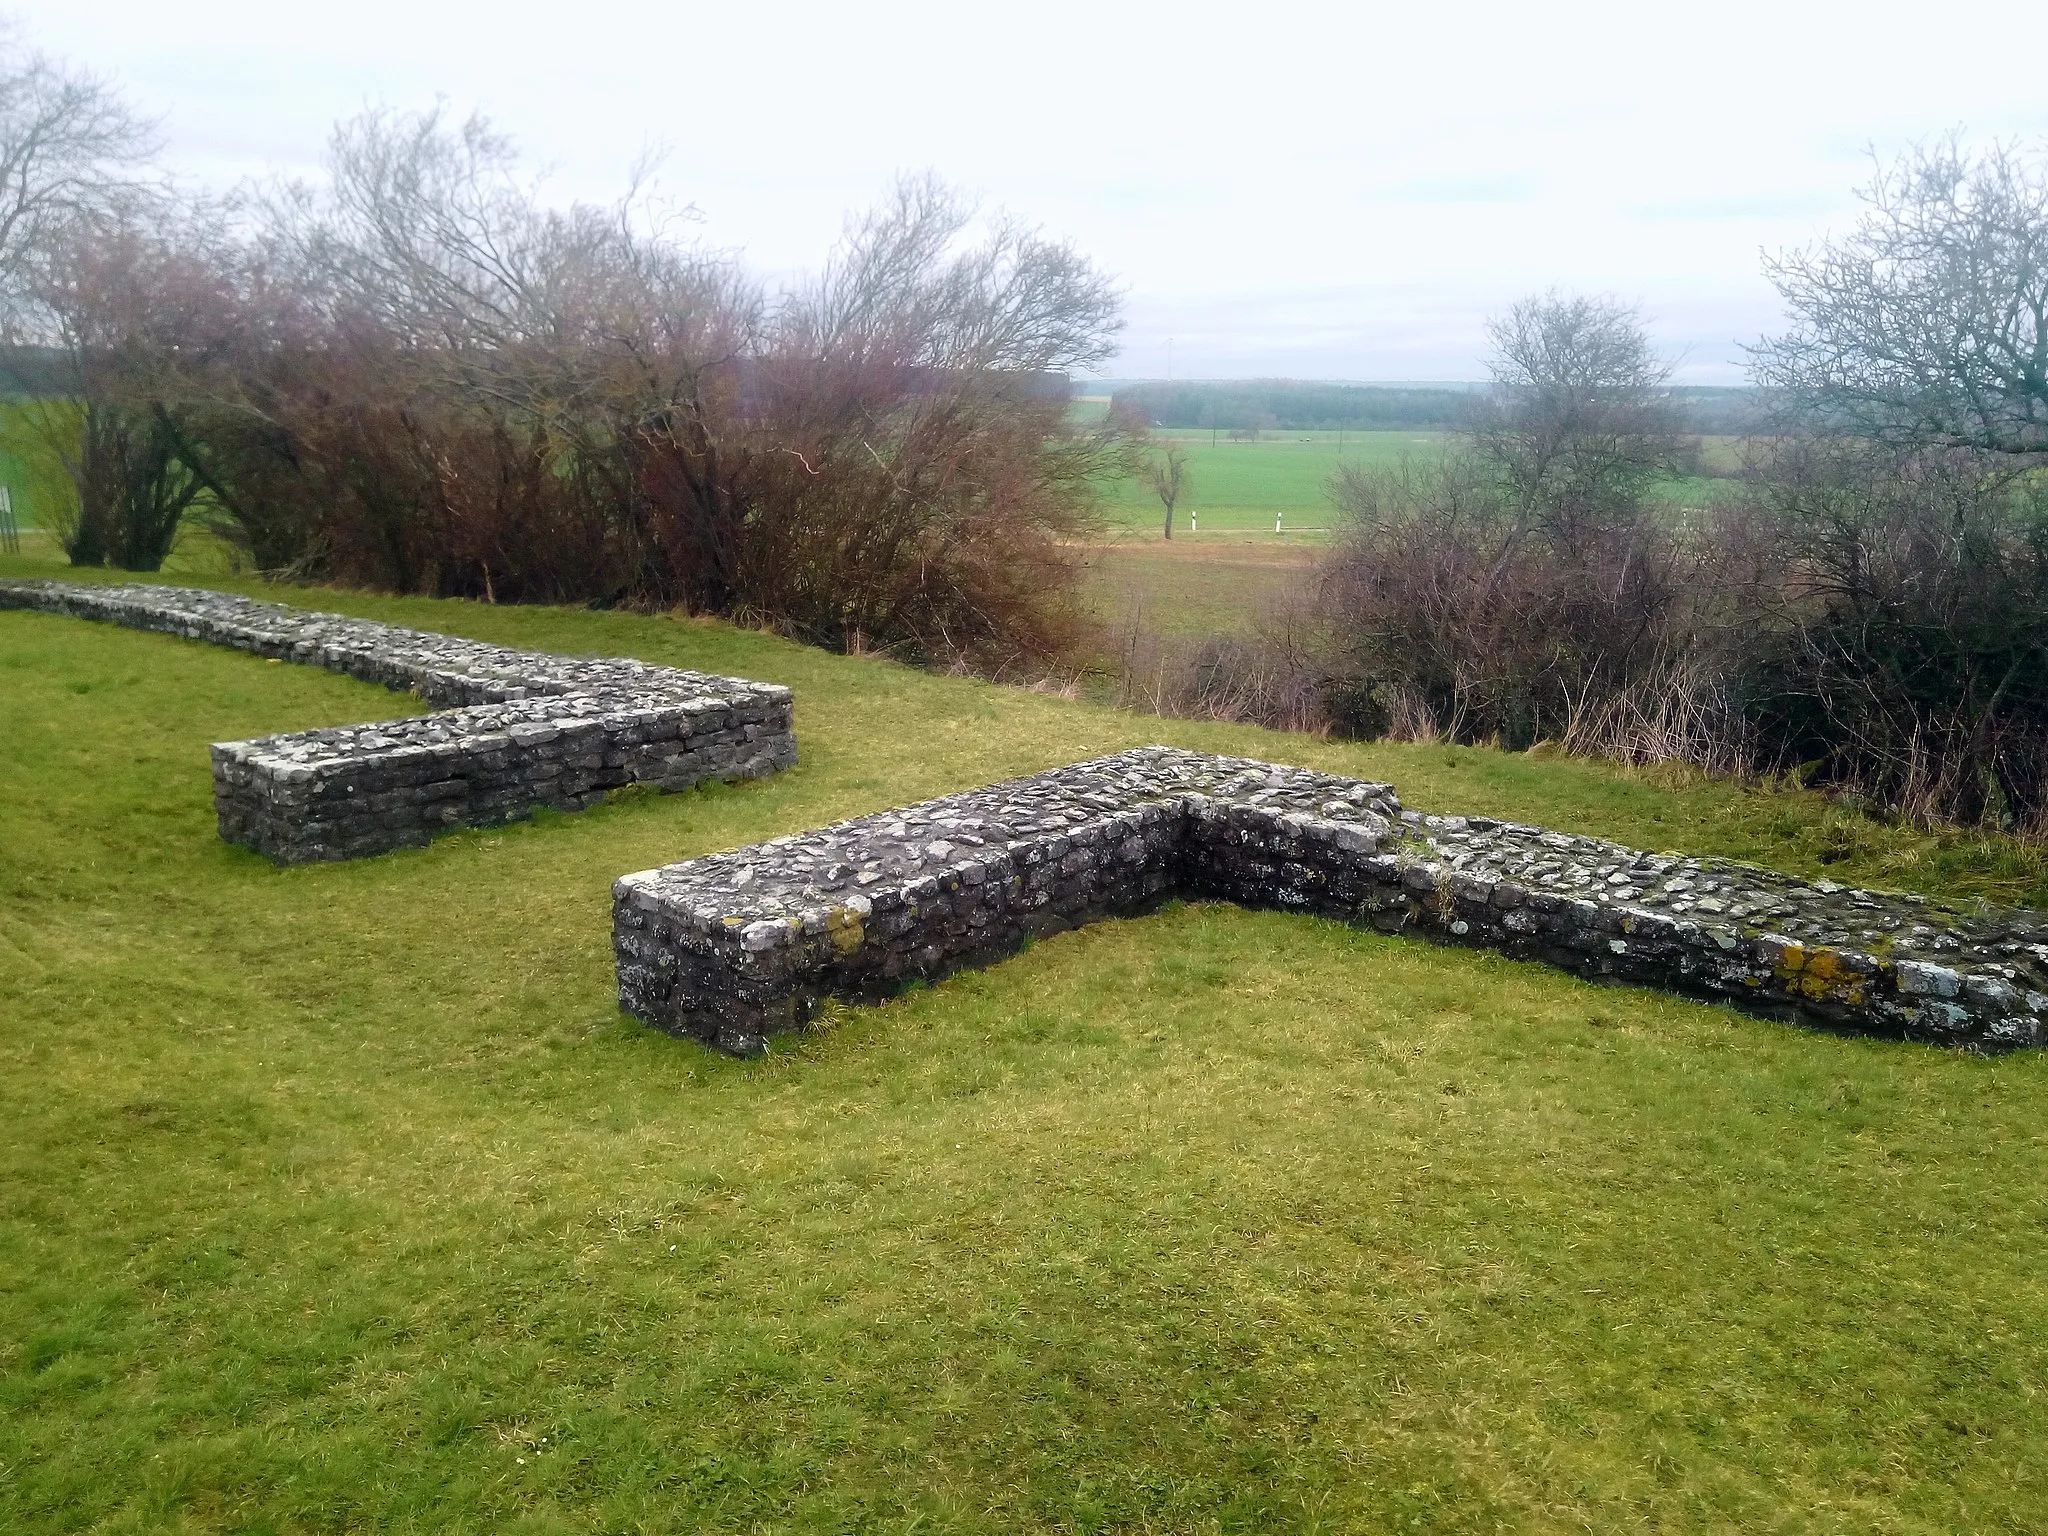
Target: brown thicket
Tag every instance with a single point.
(1523, 589)
(1454, 618)
(1871, 613)
(1902, 649)
(420, 378)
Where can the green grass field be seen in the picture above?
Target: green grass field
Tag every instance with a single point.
(1239, 487)
(33, 475)
(342, 1198)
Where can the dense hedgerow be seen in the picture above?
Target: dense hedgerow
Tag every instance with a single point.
(417, 378)
(1868, 613)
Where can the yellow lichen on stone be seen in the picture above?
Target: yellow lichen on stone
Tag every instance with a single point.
(1824, 977)
(844, 925)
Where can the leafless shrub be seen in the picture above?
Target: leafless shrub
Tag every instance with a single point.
(1275, 674)
(1681, 711)
(1514, 591)
(1869, 619)
(1901, 653)
(1453, 616)
(424, 379)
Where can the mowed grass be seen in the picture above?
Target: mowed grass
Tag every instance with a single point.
(343, 1198)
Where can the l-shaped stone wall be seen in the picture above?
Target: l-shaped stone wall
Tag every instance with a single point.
(733, 948)
(514, 730)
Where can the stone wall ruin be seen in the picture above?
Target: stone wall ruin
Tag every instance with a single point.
(734, 948)
(513, 730)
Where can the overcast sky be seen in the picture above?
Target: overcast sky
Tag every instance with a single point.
(1319, 191)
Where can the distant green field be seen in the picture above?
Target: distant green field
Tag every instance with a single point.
(35, 480)
(1242, 487)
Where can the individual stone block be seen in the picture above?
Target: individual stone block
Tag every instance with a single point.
(737, 947)
(516, 729)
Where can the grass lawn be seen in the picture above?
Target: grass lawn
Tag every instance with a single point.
(343, 1198)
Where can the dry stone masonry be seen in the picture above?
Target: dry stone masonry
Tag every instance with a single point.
(734, 948)
(513, 730)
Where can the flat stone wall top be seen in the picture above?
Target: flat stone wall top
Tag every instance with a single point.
(446, 670)
(807, 874)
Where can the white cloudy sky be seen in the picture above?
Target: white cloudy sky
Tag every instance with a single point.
(1315, 190)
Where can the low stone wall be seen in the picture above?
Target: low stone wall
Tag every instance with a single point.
(734, 948)
(515, 729)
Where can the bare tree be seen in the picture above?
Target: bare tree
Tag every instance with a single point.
(1513, 591)
(1579, 423)
(70, 149)
(1168, 473)
(133, 315)
(1928, 325)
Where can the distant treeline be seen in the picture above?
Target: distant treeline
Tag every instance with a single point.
(36, 372)
(1290, 405)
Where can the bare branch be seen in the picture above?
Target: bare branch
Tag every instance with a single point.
(1928, 323)
(71, 151)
